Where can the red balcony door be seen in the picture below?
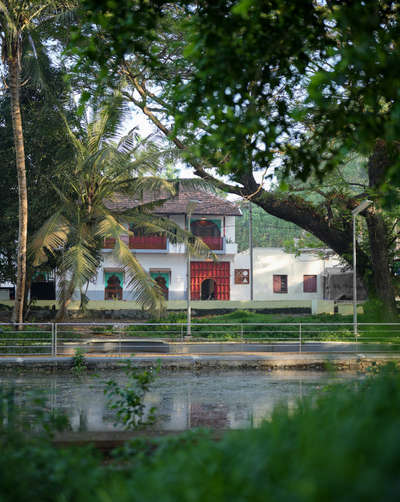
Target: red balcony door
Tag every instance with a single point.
(209, 232)
(219, 272)
(214, 243)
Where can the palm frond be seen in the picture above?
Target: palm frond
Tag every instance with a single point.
(80, 262)
(140, 207)
(51, 236)
(9, 25)
(144, 290)
(107, 121)
(194, 185)
(154, 185)
(110, 227)
(77, 143)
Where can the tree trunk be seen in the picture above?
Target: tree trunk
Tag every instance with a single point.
(14, 84)
(65, 300)
(380, 282)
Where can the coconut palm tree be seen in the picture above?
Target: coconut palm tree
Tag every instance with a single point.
(17, 19)
(76, 232)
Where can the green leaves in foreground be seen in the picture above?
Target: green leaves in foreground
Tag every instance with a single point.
(343, 444)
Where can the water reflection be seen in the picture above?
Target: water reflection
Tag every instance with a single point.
(231, 399)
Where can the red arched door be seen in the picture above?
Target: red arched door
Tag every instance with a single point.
(218, 271)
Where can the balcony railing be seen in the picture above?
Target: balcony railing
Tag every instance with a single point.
(148, 242)
(109, 243)
(214, 243)
(160, 242)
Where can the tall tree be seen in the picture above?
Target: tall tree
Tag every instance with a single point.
(17, 19)
(46, 146)
(272, 86)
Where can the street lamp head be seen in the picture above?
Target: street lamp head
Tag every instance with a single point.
(363, 205)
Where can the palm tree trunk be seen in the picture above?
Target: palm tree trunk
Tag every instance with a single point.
(65, 300)
(14, 84)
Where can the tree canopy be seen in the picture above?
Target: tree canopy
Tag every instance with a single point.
(253, 89)
(304, 81)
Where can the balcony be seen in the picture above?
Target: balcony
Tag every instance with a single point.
(109, 243)
(148, 242)
(214, 243)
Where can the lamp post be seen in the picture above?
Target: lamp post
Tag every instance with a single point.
(189, 209)
(251, 249)
(363, 205)
(251, 254)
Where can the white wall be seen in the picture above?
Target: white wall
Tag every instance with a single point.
(274, 261)
(176, 263)
(267, 262)
(230, 228)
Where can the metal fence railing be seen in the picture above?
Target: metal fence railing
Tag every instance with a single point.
(27, 339)
(121, 339)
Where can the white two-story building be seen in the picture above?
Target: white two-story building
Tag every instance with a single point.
(211, 218)
(277, 275)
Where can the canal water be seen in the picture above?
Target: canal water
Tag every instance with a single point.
(184, 400)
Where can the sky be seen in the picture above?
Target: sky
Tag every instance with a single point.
(145, 127)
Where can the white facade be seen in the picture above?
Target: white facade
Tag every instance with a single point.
(268, 262)
(172, 261)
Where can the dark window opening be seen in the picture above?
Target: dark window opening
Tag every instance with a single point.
(280, 283)
(310, 283)
(209, 232)
(163, 280)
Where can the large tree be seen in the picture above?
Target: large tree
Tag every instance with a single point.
(278, 87)
(46, 145)
(18, 20)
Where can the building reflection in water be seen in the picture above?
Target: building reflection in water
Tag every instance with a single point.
(228, 400)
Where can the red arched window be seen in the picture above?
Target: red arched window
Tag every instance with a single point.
(113, 289)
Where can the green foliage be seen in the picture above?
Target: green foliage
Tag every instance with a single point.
(310, 81)
(46, 145)
(79, 362)
(128, 400)
(268, 231)
(341, 444)
(374, 311)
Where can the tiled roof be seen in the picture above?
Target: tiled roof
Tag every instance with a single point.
(208, 204)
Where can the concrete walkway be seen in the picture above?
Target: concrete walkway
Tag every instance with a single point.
(242, 360)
